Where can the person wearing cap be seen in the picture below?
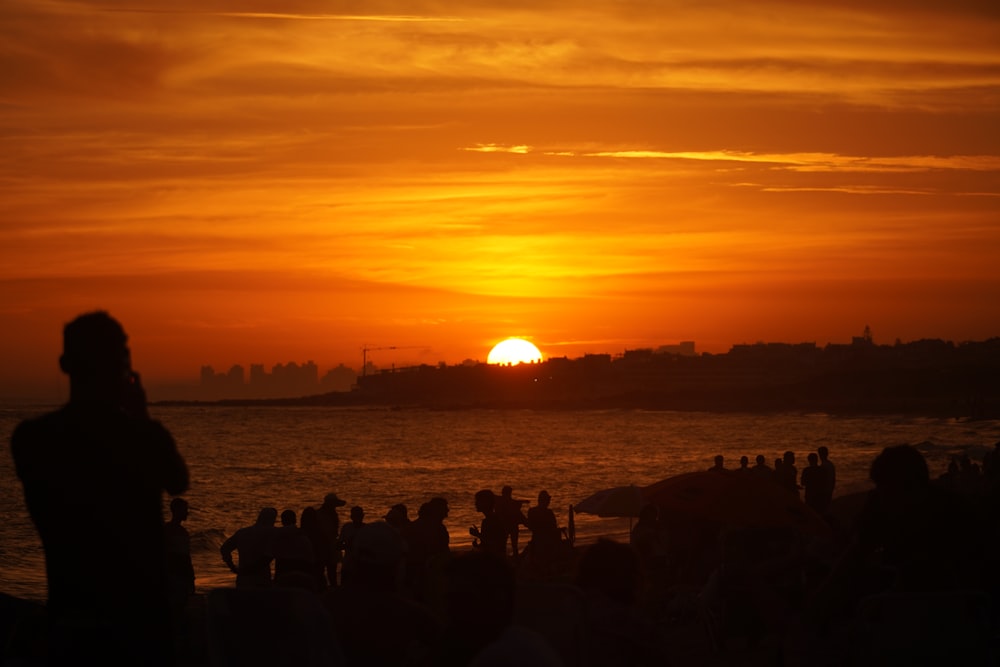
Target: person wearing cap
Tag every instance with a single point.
(107, 601)
(329, 521)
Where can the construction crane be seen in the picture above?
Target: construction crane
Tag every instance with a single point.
(366, 349)
(364, 356)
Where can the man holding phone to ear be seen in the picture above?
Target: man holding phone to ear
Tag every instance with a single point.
(94, 473)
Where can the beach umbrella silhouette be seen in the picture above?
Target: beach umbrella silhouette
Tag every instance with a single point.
(734, 499)
(620, 501)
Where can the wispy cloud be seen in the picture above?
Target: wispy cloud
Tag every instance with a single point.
(495, 148)
(804, 162)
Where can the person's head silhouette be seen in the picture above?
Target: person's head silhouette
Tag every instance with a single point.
(267, 516)
(900, 472)
(485, 500)
(96, 357)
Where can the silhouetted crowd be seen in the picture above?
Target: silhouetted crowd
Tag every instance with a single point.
(817, 481)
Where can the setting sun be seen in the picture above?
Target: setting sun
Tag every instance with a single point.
(514, 351)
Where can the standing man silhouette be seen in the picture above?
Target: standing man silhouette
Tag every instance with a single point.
(94, 473)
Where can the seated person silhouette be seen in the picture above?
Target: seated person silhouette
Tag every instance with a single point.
(103, 455)
(375, 622)
(610, 576)
(480, 627)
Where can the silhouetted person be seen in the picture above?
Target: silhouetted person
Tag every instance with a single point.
(375, 623)
(744, 464)
(815, 484)
(831, 473)
(329, 520)
(428, 542)
(311, 528)
(346, 541)
(545, 536)
(255, 546)
(971, 476)
(762, 469)
(617, 632)
(94, 473)
(648, 538)
(294, 558)
(720, 464)
(509, 511)
(491, 535)
(787, 475)
(398, 517)
(180, 570)
(910, 536)
(479, 609)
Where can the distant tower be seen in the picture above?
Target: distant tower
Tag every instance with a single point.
(864, 340)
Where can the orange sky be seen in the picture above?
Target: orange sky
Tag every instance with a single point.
(295, 180)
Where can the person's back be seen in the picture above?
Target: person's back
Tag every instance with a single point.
(830, 472)
(814, 484)
(329, 522)
(761, 468)
(255, 546)
(177, 546)
(93, 474)
(545, 535)
(509, 511)
(492, 533)
(294, 556)
(787, 474)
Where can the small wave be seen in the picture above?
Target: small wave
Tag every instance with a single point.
(207, 540)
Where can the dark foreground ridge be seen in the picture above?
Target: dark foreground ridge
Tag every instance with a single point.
(928, 377)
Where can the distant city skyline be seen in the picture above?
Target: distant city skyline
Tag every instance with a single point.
(197, 383)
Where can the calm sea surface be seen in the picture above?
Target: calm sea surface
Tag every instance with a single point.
(245, 458)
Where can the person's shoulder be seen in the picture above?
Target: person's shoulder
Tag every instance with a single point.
(35, 432)
(149, 428)
(40, 423)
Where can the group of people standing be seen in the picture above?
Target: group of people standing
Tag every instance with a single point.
(503, 517)
(313, 550)
(817, 480)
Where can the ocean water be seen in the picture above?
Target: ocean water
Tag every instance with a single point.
(245, 458)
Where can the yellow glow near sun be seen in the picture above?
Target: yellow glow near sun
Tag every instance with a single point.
(514, 351)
